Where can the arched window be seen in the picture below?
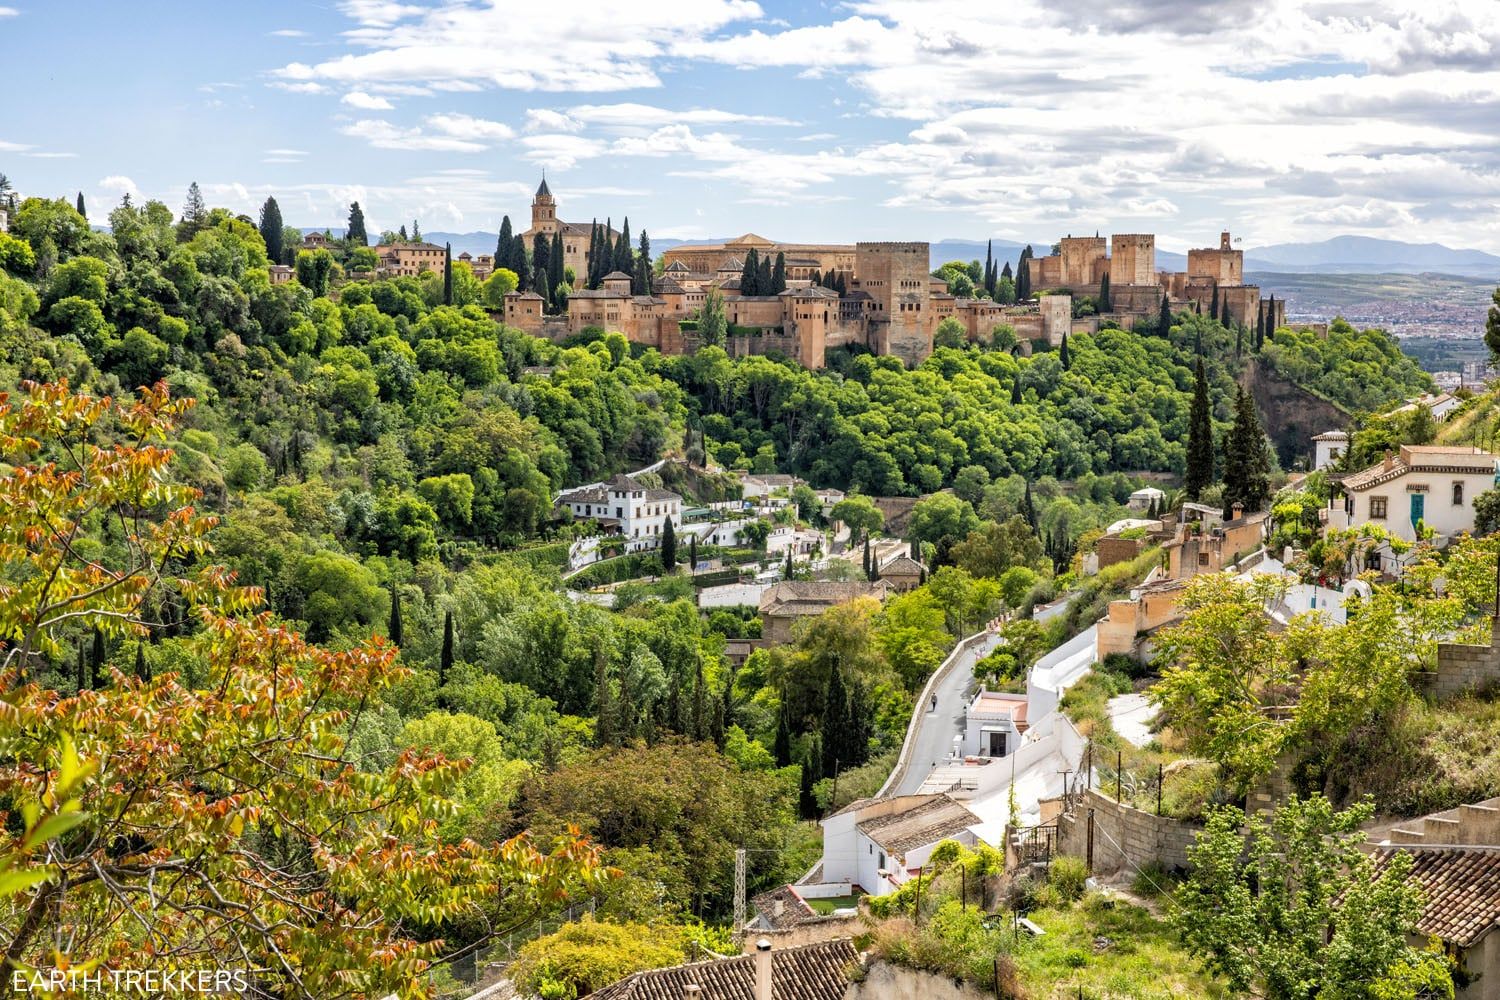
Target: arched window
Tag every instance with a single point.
(1458, 494)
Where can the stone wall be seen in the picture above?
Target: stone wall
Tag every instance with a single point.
(1124, 838)
(884, 981)
(1113, 550)
(827, 928)
(1462, 668)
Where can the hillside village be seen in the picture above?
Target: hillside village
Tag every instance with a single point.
(936, 645)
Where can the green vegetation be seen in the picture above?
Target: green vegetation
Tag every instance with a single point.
(1361, 370)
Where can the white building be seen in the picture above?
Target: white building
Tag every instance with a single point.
(4, 219)
(1439, 405)
(995, 723)
(1327, 447)
(637, 512)
(878, 844)
(1434, 485)
(1143, 498)
(754, 485)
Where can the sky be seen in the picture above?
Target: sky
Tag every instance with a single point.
(1280, 120)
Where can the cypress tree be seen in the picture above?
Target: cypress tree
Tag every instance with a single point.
(142, 669)
(555, 274)
(700, 706)
(1164, 318)
(98, 659)
(540, 285)
(1015, 391)
(1247, 469)
(817, 278)
(355, 233)
(692, 553)
(402, 233)
(989, 267)
(835, 722)
(806, 802)
(623, 250)
(1239, 338)
(1005, 272)
(416, 232)
(603, 715)
(393, 628)
(445, 657)
(271, 228)
(1199, 473)
(1023, 276)
(778, 275)
(1224, 313)
(782, 747)
(81, 210)
(541, 253)
(518, 257)
(869, 566)
(643, 273)
(447, 274)
(750, 273)
(763, 279)
(668, 547)
(1260, 325)
(788, 562)
(1028, 507)
(1063, 355)
(1213, 309)
(503, 248)
(1104, 297)
(719, 726)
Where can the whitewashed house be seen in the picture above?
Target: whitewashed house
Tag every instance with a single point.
(879, 844)
(1143, 498)
(1328, 447)
(1430, 485)
(994, 723)
(637, 512)
(1440, 405)
(755, 485)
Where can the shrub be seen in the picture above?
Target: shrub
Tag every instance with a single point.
(1067, 877)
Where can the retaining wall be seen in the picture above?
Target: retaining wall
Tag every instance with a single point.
(1124, 837)
(1463, 669)
(884, 981)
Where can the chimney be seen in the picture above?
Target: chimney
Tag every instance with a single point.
(1237, 509)
(692, 991)
(1390, 460)
(778, 907)
(763, 969)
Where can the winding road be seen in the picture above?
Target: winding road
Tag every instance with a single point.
(932, 740)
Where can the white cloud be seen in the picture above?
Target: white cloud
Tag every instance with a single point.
(52, 156)
(468, 127)
(640, 116)
(605, 46)
(288, 33)
(304, 87)
(14, 147)
(291, 153)
(366, 102)
(120, 184)
(9, 12)
(383, 135)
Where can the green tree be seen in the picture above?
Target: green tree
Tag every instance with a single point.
(1487, 512)
(859, 514)
(445, 657)
(81, 210)
(1247, 462)
(354, 231)
(950, 333)
(1199, 474)
(942, 520)
(1063, 354)
(315, 271)
(447, 274)
(669, 547)
(585, 956)
(778, 275)
(1492, 326)
(393, 626)
(1105, 304)
(194, 214)
(1310, 914)
(713, 326)
(271, 229)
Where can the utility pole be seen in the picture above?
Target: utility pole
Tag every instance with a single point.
(739, 890)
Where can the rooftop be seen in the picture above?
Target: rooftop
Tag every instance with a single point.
(1462, 887)
(1422, 458)
(811, 972)
(782, 907)
(811, 597)
(927, 822)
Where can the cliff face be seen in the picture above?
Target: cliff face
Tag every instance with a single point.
(1290, 413)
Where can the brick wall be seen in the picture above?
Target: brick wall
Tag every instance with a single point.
(1124, 838)
(1463, 668)
(1113, 550)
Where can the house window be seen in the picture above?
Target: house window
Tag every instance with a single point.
(1203, 559)
(1458, 494)
(1377, 508)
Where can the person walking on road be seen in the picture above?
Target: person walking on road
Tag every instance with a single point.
(934, 703)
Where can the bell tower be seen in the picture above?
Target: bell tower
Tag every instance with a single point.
(544, 210)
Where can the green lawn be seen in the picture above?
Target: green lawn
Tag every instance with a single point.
(1110, 948)
(826, 906)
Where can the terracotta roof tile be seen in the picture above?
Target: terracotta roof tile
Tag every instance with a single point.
(810, 972)
(1462, 886)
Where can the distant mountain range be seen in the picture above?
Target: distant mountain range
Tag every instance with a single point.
(1339, 255)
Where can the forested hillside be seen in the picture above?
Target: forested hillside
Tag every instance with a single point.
(381, 457)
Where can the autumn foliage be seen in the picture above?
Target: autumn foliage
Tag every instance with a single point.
(150, 823)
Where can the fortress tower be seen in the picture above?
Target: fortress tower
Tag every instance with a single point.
(1133, 261)
(896, 277)
(544, 210)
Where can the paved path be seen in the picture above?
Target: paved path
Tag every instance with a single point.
(1131, 715)
(933, 739)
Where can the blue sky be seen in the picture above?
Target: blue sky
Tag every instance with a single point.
(870, 119)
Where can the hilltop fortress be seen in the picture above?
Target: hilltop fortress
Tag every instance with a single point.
(891, 303)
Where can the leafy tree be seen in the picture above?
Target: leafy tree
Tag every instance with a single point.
(1487, 512)
(271, 228)
(942, 520)
(315, 271)
(354, 231)
(1265, 926)
(713, 326)
(950, 333)
(1492, 326)
(194, 214)
(1200, 450)
(587, 955)
(1247, 464)
(994, 548)
(859, 514)
(220, 784)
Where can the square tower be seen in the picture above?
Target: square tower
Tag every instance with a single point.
(897, 278)
(1133, 261)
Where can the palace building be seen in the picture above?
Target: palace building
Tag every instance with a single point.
(575, 235)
